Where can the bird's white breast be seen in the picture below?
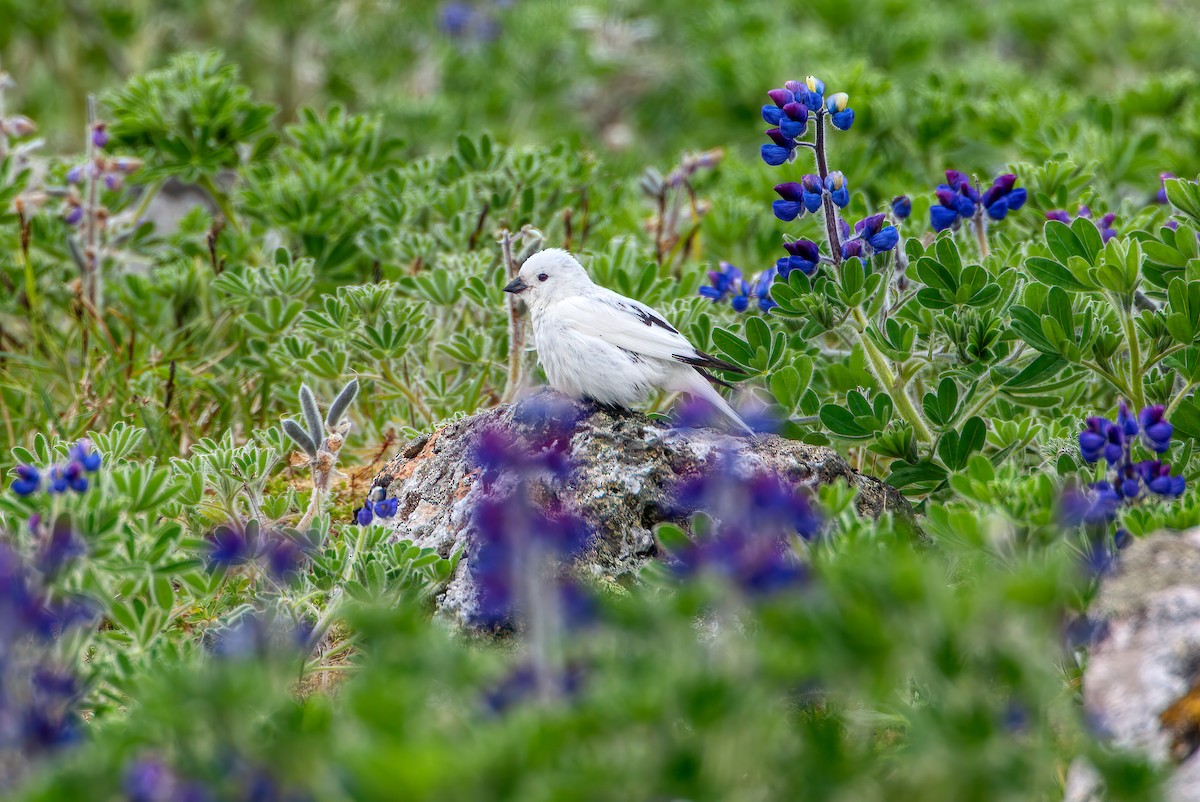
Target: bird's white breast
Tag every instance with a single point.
(585, 366)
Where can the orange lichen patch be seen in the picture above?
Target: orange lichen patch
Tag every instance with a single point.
(461, 491)
(409, 466)
(1182, 720)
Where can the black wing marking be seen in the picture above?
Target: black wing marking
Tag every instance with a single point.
(714, 379)
(651, 319)
(702, 360)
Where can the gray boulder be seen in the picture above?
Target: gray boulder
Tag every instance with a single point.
(627, 467)
(1141, 686)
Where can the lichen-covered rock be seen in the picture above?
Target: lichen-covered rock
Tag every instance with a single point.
(1141, 686)
(627, 465)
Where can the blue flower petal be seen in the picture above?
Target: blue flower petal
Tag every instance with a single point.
(942, 218)
(842, 120)
(790, 127)
(840, 197)
(772, 114)
(812, 200)
(775, 155)
(886, 239)
(1016, 199)
(787, 210)
(964, 206)
(998, 210)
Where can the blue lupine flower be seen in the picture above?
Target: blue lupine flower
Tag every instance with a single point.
(1161, 195)
(386, 508)
(839, 191)
(792, 204)
(901, 207)
(814, 96)
(1096, 506)
(811, 191)
(741, 299)
(75, 174)
(1002, 197)
(1156, 432)
(83, 453)
(946, 212)
(1158, 478)
(762, 289)
(99, 134)
(841, 116)
(59, 548)
(1098, 439)
(804, 256)
(365, 514)
(227, 547)
(783, 149)
(1127, 421)
(284, 555)
(28, 480)
(794, 121)
(724, 282)
(74, 215)
(876, 233)
(754, 520)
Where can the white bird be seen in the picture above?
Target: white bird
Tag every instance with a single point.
(598, 345)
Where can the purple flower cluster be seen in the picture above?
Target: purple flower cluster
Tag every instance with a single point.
(1113, 442)
(871, 235)
(110, 170)
(38, 698)
(281, 553)
(789, 111)
(82, 460)
(959, 200)
(151, 779)
(727, 282)
(377, 505)
(1105, 223)
(756, 514)
(521, 531)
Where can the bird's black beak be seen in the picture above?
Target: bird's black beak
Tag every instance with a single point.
(516, 286)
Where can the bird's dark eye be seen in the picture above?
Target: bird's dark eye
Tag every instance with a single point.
(542, 277)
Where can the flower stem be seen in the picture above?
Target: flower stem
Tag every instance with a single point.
(878, 364)
(980, 225)
(1137, 393)
(222, 201)
(1177, 399)
(830, 213)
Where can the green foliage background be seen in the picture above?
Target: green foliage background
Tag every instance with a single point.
(360, 162)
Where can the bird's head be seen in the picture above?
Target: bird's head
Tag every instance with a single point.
(547, 276)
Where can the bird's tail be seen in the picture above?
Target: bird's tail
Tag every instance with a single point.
(693, 383)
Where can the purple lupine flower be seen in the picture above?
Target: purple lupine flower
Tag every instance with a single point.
(836, 186)
(1161, 195)
(783, 150)
(227, 547)
(741, 299)
(762, 289)
(113, 181)
(804, 255)
(1002, 197)
(812, 191)
(74, 214)
(99, 135)
(1158, 479)
(901, 207)
(814, 92)
(1156, 432)
(1101, 438)
(755, 516)
(28, 480)
(1105, 223)
(75, 174)
(841, 115)
(794, 120)
(876, 234)
(61, 546)
(1126, 420)
(284, 555)
(791, 204)
(365, 514)
(723, 282)
(1059, 215)
(386, 508)
(83, 453)
(1094, 506)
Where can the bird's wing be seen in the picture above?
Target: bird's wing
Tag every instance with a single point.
(634, 327)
